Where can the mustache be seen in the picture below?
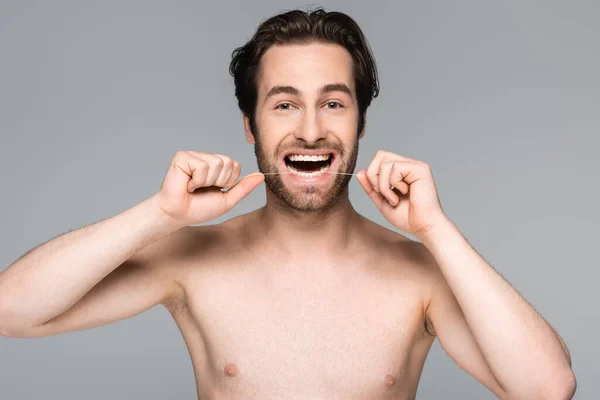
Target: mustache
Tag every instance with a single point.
(335, 147)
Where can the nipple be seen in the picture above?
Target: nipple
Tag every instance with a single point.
(231, 370)
(390, 381)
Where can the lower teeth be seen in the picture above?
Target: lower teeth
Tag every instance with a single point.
(308, 174)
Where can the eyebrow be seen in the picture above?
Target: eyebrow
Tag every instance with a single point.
(332, 87)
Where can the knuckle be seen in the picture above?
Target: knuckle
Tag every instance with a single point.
(202, 165)
(180, 154)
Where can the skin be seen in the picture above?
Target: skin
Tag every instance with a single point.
(265, 318)
(306, 298)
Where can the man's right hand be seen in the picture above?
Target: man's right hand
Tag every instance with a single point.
(191, 190)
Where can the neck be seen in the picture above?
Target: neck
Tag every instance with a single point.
(325, 232)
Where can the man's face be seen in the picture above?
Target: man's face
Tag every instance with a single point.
(306, 117)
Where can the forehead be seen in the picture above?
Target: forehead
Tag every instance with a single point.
(307, 67)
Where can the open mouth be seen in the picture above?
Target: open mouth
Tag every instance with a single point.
(308, 165)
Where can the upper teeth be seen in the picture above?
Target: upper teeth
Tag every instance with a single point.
(298, 157)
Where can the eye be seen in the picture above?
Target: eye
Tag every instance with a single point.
(283, 106)
(333, 105)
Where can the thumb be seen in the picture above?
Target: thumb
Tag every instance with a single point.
(243, 188)
(377, 198)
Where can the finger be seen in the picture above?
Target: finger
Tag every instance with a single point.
(384, 183)
(396, 179)
(235, 173)
(377, 198)
(373, 171)
(242, 189)
(180, 172)
(401, 187)
(199, 170)
(226, 170)
(216, 166)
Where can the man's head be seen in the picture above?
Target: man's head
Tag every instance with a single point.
(304, 82)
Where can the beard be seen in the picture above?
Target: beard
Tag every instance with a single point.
(307, 198)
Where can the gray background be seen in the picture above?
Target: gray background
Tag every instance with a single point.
(501, 98)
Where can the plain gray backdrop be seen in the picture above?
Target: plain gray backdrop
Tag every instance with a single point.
(500, 98)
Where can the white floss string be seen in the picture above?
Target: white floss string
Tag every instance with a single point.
(325, 172)
(289, 172)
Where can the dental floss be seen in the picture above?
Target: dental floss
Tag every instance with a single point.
(325, 172)
(289, 172)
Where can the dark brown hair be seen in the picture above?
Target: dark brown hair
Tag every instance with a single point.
(297, 27)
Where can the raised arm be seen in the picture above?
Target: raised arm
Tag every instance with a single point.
(123, 265)
(72, 282)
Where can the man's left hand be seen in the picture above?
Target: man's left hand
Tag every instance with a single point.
(404, 191)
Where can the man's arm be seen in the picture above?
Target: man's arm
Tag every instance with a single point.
(72, 282)
(488, 328)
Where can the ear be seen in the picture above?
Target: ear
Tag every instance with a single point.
(360, 136)
(248, 131)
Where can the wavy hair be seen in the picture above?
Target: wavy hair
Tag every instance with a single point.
(303, 27)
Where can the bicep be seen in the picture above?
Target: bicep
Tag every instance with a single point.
(140, 283)
(448, 323)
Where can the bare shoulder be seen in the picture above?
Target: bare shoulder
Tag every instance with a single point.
(194, 249)
(400, 249)
(404, 255)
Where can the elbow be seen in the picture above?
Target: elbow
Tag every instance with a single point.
(560, 387)
(556, 387)
(563, 385)
(10, 332)
(568, 386)
(12, 327)
(17, 331)
(8, 329)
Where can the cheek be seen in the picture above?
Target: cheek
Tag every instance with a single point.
(274, 129)
(344, 126)
(345, 123)
(268, 139)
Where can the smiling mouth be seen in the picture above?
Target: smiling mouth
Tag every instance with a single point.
(308, 165)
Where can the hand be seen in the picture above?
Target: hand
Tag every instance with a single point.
(191, 190)
(413, 205)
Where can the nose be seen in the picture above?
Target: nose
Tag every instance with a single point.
(311, 128)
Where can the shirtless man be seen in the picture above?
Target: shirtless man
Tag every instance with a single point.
(303, 298)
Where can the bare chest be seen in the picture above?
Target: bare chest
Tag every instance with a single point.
(336, 335)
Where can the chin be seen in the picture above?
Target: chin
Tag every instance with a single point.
(311, 200)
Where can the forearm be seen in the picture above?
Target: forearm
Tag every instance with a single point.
(51, 278)
(520, 347)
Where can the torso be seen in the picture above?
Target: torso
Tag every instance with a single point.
(258, 326)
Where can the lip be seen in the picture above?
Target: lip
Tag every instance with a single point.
(309, 153)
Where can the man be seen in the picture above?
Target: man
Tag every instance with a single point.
(304, 297)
